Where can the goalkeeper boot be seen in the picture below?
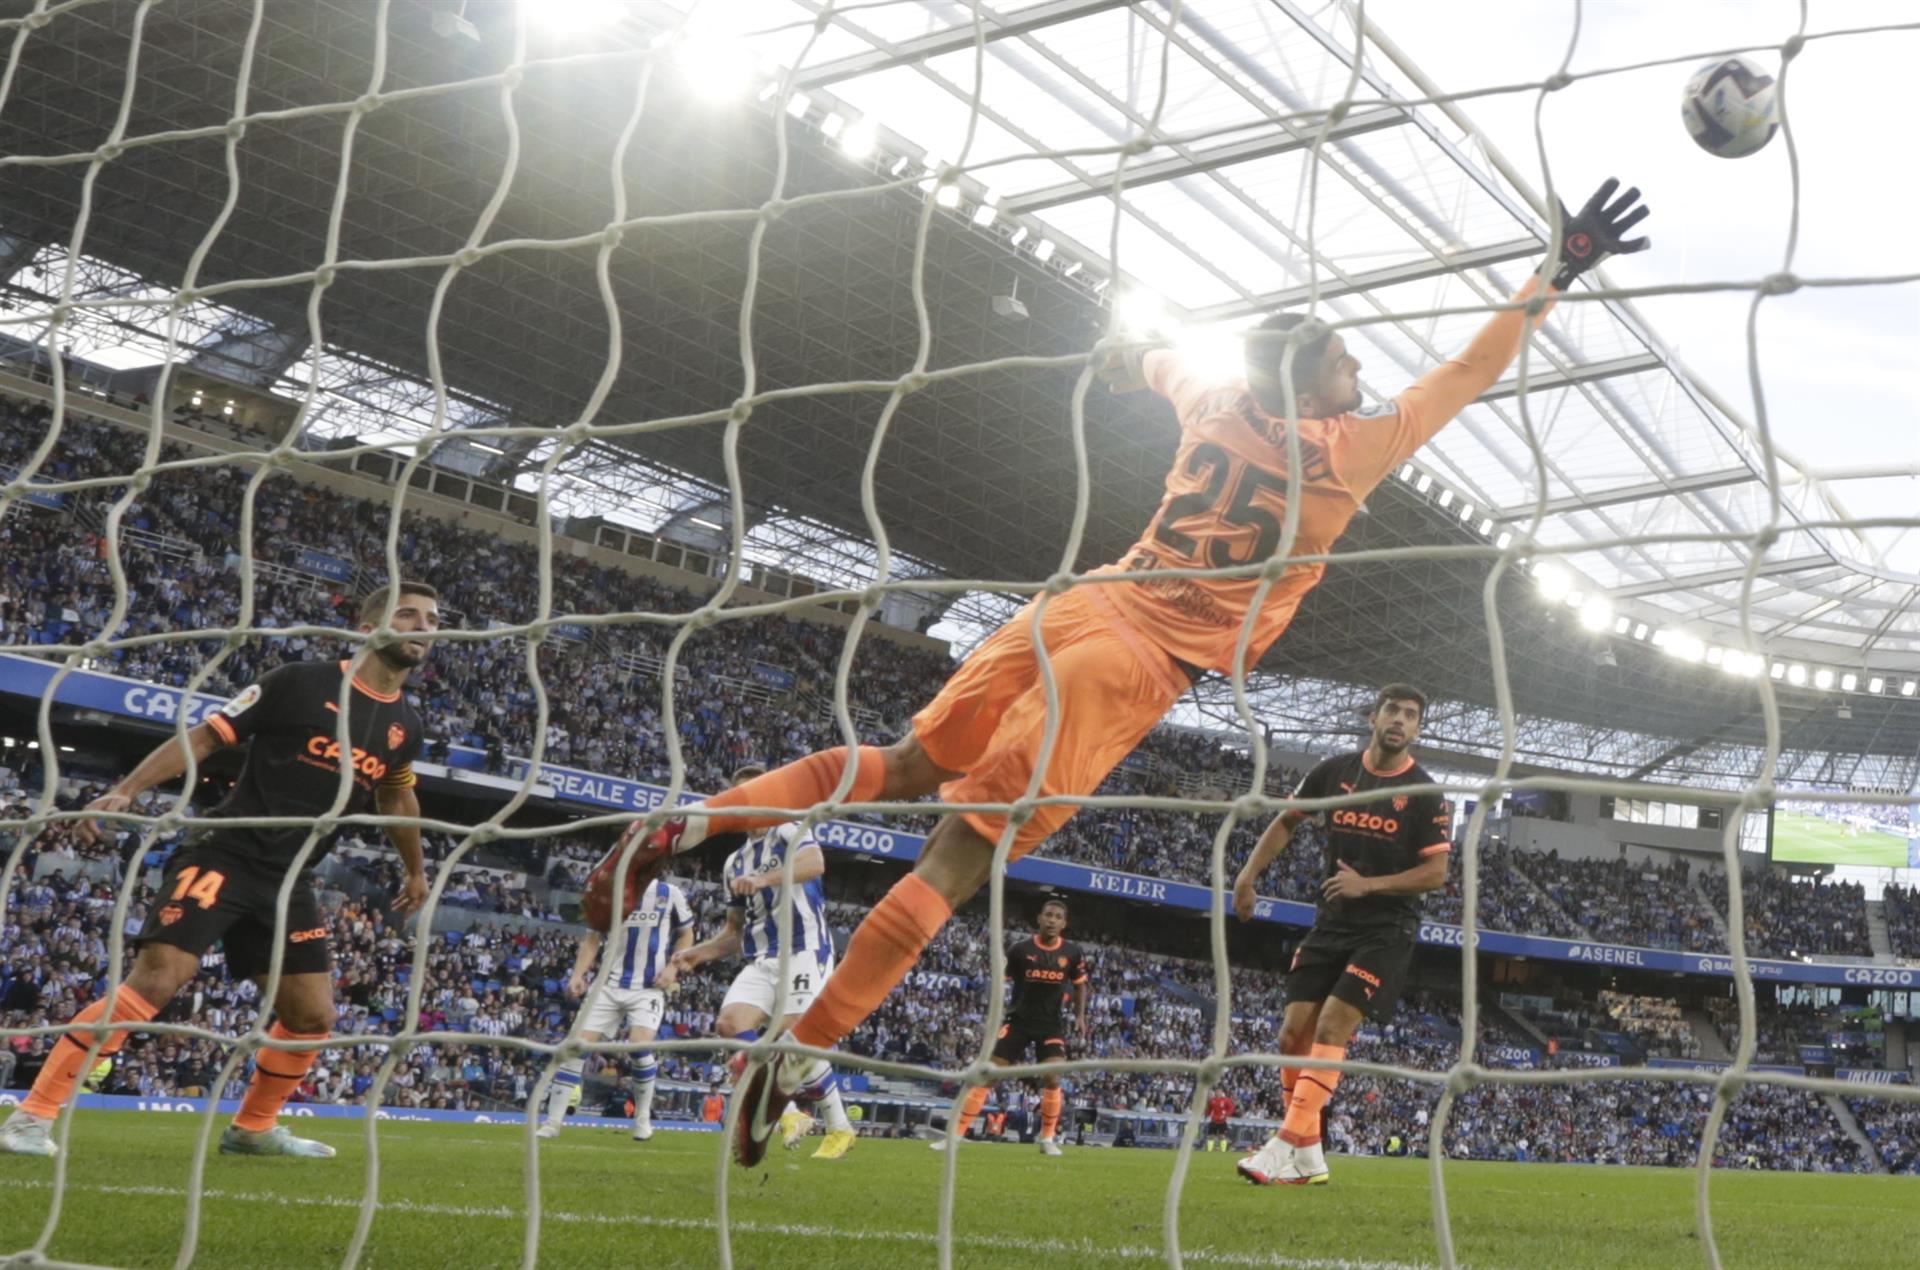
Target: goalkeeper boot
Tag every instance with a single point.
(547, 1131)
(1264, 1166)
(769, 1087)
(794, 1125)
(1308, 1167)
(25, 1134)
(835, 1144)
(278, 1140)
(642, 1128)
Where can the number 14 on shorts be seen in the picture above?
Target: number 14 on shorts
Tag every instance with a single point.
(201, 887)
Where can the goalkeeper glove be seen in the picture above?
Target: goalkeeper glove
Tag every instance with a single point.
(1596, 232)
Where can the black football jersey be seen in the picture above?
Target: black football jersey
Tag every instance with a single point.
(1388, 834)
(290, 723)
(1043, 976)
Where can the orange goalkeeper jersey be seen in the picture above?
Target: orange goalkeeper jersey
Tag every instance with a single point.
(1226, 497)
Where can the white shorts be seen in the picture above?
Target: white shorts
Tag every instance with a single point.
(611, 1011)
(758, 983)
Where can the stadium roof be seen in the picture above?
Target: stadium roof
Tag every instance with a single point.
(1653, 488)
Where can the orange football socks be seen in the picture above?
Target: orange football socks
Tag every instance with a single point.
(879, 955)
(62, 1068)
(799, 785)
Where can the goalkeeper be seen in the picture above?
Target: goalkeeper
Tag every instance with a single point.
(1123, 651)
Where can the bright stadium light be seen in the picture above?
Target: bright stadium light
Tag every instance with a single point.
(1503, 541)
(1849, 682)
(1715, 655)
(1779, 670)
(1907, 689)
(1141, 310)
(717, 68)
(1687, 647)
(1214, 352)
(947, 194)
(1574, 598)
(1551, 580)
(1486, 527)
(984, 214)
(1043, 250)
(1797, 675)
(1423, 483)
(797, 105)
(1876, 684)
(860, 139)
(830, 126)
(577, 17)
(1446, 497)
(1640, 630)
(1597, 613)
(1622, 624)
(1823, 679)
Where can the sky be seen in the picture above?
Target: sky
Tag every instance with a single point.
(1836, 365)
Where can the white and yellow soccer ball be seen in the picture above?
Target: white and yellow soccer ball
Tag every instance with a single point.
(1729, 107)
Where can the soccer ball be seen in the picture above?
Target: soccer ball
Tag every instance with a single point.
(1729, 108)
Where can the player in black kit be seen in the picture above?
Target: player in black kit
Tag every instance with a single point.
(223, 885)
(1046, 971)
(1383, 854)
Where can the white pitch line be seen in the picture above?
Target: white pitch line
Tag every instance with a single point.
(1039, 1247)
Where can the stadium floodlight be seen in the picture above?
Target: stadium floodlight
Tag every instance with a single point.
(1597, 613)
(1823, 679)
(947, 194)
(1486, 527)
(1552, 581)
(1575, 598)
(1907, 689)
(1876, 684)
(1503, 540)
(831, 126)
(1640, 630)
(984, 215)
(1073, 268)
(1622, 624)
(1406, 472)
(1779, 670)
(797, 105)
(1019, 236)
(1423, 483)
(1687, 647)
(1467, 512)
(1446, 497)
(1796, 674)
(860, 139)
(1043, 250)
(1849, 682)
(1141, 310)
(1715, 654)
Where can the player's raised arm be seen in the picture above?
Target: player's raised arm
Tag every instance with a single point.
(167, 761)
(1364, 453)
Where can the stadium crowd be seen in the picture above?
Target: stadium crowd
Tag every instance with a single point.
(502, 978)
(1788, 917)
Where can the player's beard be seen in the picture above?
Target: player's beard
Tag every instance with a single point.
(398, 656)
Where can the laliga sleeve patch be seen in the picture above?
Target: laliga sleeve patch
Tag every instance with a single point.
(242, 703)
(1380, 411)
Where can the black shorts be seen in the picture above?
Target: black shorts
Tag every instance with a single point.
(1366, 969)
(1049, 1041)
(1218, 1128)
(208, 895)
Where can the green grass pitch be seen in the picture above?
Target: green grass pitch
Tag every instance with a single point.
(1804, 839)
(452, 1196)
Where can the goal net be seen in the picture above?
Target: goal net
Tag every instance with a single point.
(541, 379)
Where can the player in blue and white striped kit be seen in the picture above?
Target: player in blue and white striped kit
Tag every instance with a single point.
(752, 877)
(640, 972)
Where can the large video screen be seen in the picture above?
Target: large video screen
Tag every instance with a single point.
(1872, 835)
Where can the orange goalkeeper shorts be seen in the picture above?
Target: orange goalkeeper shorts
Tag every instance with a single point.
(990, 718)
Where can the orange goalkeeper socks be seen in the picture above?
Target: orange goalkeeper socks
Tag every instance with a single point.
(276, 1074)
(62, 1069)
(1050, 1103)
(800, 784)
(1310, 1095)
(879, 955)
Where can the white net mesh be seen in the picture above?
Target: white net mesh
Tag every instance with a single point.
(1161, 125)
